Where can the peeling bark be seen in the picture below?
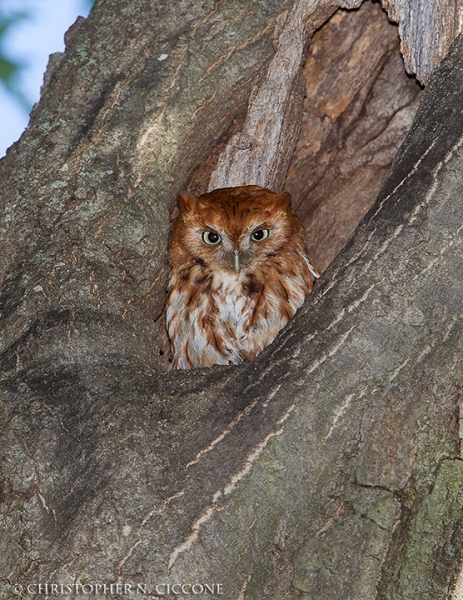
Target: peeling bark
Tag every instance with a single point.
(427, 30)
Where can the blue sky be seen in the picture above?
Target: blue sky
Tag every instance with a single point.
(31, 42)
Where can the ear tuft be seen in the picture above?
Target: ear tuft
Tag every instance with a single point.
(186, 203)
(283, 200)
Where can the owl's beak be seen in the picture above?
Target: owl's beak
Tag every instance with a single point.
(237, 261)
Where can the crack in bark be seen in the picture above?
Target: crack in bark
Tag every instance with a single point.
(226, 491)
(159, 511)
(126, 557)
(211, 446)
(245, 584)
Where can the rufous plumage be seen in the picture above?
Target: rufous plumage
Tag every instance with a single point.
(239, 272)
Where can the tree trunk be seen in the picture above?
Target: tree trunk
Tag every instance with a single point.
(329, 467)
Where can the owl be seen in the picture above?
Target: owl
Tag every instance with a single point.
(239, 272)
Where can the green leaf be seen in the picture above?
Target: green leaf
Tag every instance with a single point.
(7, 69)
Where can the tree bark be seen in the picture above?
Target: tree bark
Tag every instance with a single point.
(329, 466)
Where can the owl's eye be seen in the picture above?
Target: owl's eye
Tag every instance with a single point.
(211, 238)
(260, 234)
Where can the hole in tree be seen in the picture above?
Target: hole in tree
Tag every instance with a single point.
(358, 107)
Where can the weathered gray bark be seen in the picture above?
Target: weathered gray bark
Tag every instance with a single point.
(427, 28)
(328, 467)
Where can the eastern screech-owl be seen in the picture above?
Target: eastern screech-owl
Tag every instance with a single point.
(239, 272)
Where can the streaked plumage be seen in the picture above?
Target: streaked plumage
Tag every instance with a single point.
(239, 272)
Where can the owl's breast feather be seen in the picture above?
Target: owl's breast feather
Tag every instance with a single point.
(232, 303)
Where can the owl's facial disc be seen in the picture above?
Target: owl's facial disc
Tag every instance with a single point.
(236, 249)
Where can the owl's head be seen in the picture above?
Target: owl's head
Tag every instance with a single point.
(234, 228)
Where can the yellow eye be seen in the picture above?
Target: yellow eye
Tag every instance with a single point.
(260, 234)
(211, 238)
